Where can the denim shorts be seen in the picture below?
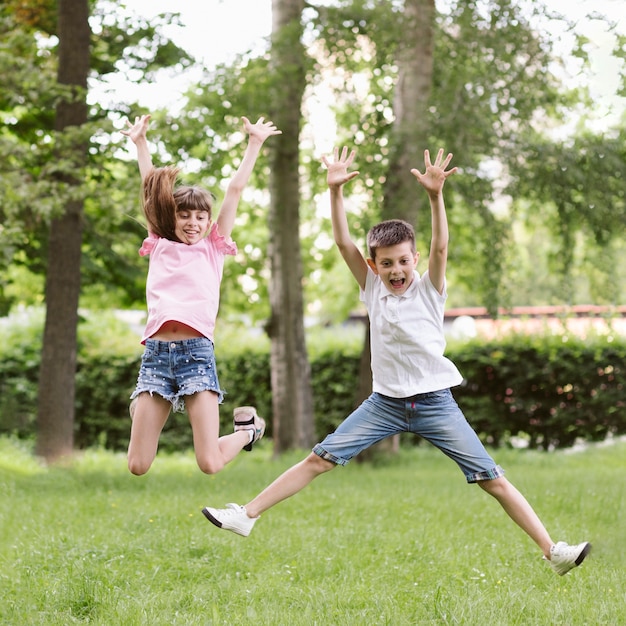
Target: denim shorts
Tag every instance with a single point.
(435, 416)
(175, 369)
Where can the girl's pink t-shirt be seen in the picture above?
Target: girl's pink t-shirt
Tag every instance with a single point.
(184, 280)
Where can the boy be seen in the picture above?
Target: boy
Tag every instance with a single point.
(411, 376)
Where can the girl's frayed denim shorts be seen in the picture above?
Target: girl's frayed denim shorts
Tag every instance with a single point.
(175, 369)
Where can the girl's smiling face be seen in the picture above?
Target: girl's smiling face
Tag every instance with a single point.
(191, 225)
(395, 265)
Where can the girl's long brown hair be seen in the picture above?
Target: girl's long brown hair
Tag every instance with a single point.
(161, 199)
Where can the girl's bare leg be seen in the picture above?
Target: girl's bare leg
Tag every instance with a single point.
(212, 451)
(520, 511)
(150, 413)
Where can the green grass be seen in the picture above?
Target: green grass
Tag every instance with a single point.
(402, 542)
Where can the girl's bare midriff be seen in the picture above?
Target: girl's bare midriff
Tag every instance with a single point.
(175, 331)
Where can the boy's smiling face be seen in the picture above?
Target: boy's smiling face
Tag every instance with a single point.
(395, 265)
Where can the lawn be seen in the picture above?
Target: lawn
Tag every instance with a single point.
(404, 541)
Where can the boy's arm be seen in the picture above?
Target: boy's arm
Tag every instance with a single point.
(137, 133)
(432, 180)
(257, 134)
(336, 177)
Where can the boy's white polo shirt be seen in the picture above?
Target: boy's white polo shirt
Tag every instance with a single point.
(407, 338)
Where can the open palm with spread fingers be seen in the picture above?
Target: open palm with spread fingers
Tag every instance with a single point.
(137, 130)
(261, 130)
(435, 174)
(338, 173)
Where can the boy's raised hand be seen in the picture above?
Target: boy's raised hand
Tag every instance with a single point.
(261, 130)
(137, 130)
(435, 174)
(338, 174)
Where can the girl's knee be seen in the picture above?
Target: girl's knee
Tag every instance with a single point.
(210, 465)
(138, 467)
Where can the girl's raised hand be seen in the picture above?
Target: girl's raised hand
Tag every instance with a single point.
(137, 130)
(261, 130)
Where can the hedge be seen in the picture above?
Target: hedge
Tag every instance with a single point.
(548, 390)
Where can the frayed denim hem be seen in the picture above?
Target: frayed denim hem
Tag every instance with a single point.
(177, 400)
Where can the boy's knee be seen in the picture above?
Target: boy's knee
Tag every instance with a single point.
(319, 464)
(495, 487)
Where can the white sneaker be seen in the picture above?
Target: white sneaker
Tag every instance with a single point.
(564, 557)
(234, 518)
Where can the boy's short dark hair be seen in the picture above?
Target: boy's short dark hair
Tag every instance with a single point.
(389, 233)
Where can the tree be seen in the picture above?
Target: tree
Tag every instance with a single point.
(292, 400)
(410, 133)
(410, 129)
(55, 417)
(47, 142)
(490, 78)
(272, 86)
(431, 59)
(29, 195)
(575, 188)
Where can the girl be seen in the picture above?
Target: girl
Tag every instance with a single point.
(187, 253)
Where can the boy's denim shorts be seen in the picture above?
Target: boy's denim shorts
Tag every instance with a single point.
(175, 369)
(435, 416)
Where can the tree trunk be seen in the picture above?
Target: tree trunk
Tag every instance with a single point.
(292, 397)
(410, 130)
(55, 419)
(409, 137)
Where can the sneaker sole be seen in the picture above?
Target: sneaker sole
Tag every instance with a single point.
(217, 523)
(581, 557)
(211, 519)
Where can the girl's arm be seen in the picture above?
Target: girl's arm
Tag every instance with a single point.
(137, 133)
(257, 134)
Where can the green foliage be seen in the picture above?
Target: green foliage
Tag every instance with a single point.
(575, 189)
(19, 372)
(494, 80)
(399, 544)
(132, 43)
(550, 390)
(334, 375)
(33, 157)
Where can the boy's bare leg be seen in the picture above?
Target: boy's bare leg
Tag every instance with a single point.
(289, 483)
(520, 511)
(240, 519)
